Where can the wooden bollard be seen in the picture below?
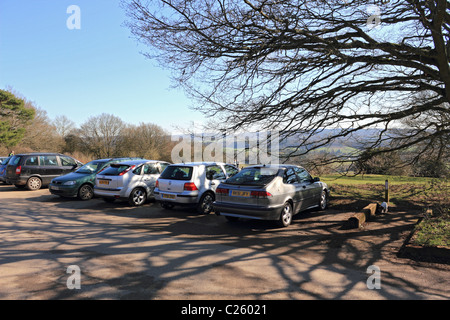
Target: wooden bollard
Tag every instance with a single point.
(358, 219)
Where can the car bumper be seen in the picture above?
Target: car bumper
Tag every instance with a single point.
(17, 181)
(247, 211)
(110, 193)
(176, 198)
(65, 191)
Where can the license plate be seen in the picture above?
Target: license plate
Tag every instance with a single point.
(103, 182)
(54, 188)
(238, 193)
(168, 196)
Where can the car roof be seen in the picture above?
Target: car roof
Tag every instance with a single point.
(41, 154)
(139, 161)
(205, 163)
(275, 166)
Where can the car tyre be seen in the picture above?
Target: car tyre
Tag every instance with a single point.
(34, 183)
(323, 201)
(86, 192)
(205, 206)
(285, 215)
(137, 197)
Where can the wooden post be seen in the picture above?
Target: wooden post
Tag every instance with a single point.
(386, 191)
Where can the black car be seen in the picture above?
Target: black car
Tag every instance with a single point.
(33, 170)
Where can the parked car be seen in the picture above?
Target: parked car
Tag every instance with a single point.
(3, 163)
(275, 192)
(35, 170)
(192, 184)
(131, 180)
(80, 183)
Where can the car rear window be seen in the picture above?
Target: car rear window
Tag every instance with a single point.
(14, 160)
(177, 173)
(254, 176)
(115, 169)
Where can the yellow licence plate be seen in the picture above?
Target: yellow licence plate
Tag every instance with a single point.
(103, 181)
(168, 196)
(239, 193)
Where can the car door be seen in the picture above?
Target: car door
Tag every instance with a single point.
(150, 173)
(310, 190)
(215, 174)
(293, 189)
(50, 168)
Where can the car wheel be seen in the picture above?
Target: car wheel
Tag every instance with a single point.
(137, 197)
(86, 192)
(205, 205)
(34, 183)
(286, 215)
(323, 202)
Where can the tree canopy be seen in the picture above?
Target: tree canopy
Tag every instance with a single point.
(14, 117)
(304, 66)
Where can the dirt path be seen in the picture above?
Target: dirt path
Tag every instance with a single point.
(150, 253)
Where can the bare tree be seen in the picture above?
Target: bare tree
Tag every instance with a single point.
(63, 125)
(147, 140)
(101, 135)
(305, 66)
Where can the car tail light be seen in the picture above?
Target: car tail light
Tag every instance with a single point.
(260, 194)
(126, 170)
(190, 186)
(18, 169)
(157, 184)
(222, 191)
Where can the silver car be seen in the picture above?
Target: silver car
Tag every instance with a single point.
(192, 184)
(275, 192)
(132, 180)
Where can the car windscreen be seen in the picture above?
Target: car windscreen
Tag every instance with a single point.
(91, 167)
(254, 176)
(177, 173)
(115, 169)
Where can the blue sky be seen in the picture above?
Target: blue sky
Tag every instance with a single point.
(85, 72)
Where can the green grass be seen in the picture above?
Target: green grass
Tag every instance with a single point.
(333, 179)
(432, 232)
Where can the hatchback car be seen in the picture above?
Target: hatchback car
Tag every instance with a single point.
(80, 183)
(34, 170)
(3, 163)
(275, 192)
(131, 180)
(192, 184)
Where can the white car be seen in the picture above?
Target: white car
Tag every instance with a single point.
(192, 184)
(132, 180)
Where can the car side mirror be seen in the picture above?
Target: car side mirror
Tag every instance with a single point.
(316, 179)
